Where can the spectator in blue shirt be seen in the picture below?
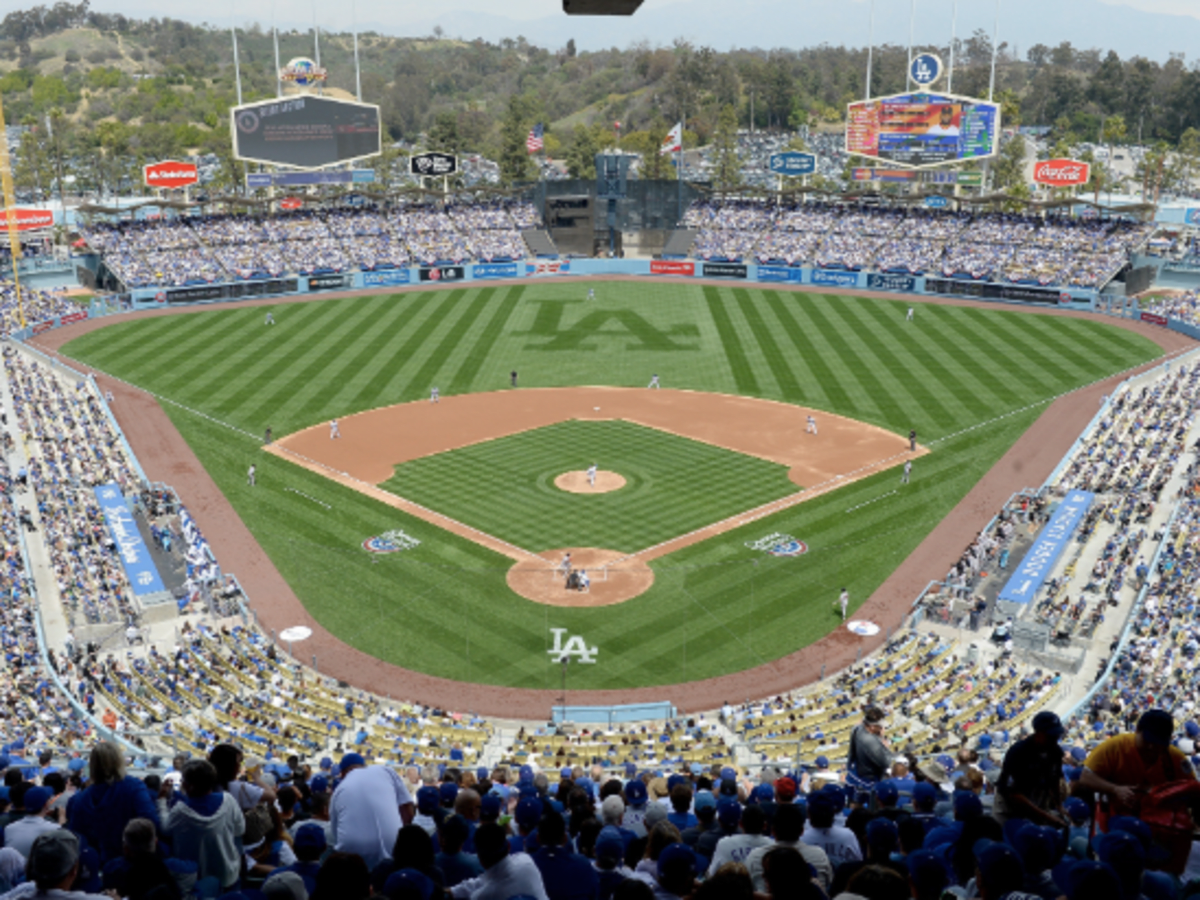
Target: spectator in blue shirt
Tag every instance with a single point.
(566, 875)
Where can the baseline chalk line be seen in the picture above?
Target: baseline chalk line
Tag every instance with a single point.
(869, 502)
(307, 497)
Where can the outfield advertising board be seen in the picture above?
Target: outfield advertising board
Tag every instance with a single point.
(923, 129)
(1039, 561)
(991, 291)
(834, 278)
(1153, 318)
(494, 270)
(442, 273)
(724, 270)
(386, 278)
(672, 267)
(779, 273)
(548, 267)
(330, 282)
(903, 283)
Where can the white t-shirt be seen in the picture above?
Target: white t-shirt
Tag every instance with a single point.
(736, 848)
(839, 843)
(365, 813)
(814, 856)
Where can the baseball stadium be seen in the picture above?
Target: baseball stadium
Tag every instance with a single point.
(569, 489)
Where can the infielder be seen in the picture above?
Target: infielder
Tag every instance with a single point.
(592, 475)
(844, 602)
(909, 317)
(433, 395)
(270, 320)
(250, 475)
(811, 426)
(907, 471)
(333, 429)
(654, 383)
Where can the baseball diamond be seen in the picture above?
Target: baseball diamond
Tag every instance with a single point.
(714, 605)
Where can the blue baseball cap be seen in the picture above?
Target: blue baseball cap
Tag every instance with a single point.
(728, 773)
(565, 772)
(704, 800)
(325, 763)
(481, 773)
(447, 792)
(310, 837)
(822, 762)
(36, 798)
(319, 784)
(887, 793)
(1077, 809)
(764, 793)
(997, 861)
(489, 807)
(525, 773)
(967, 805)
(677, 854)
(925, 793)
(729, 813)
(350, 760)
(674, 780)
(609, 844)
(528, 812)
(635, 793)
(1084, 876)
(397, 881)
(883, 834)
(928, 872)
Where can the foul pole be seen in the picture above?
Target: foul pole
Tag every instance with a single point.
(10, 215)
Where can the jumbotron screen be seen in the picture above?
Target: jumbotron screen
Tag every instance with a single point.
(919, 130)
(305, 132)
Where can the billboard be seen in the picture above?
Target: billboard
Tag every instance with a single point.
(672, 267)
(433, 163)
(792, 163)
(27, 219)
(302, 179)
(170, 174)
(921, 130)
(305, 132)
(1062, 172)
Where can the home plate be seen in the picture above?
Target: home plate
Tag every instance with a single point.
(596, 408)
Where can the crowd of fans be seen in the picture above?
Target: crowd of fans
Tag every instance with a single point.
(992, 246)
(201, 250)
(36, 306)
(1183, 306)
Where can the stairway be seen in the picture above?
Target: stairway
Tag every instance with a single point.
(539, 243)
(679, 243)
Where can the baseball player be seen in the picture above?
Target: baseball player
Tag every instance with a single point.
(591, 293)
(433, 395)
(654, 383)
(270, 320)
(907, 471)
(912, 440)
(909, 317)
(334, 432)
(592, 475)
(565, 566)
(810, 426)
(267, 435)
(843, 601)
(250, 475)
(513, 376)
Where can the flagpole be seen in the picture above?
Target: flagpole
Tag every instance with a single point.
(679, 164)
(995, 48)
(870, 50)
(953, 38)
(912, 31)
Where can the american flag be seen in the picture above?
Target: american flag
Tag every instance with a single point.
(534, 142)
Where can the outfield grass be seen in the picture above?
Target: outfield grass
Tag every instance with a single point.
(716, 606)
(674, 485)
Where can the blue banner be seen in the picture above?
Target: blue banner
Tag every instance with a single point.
(386, 278)
(834, 278)
(792, 163)
(494, 270)
(779, 273)
(936, 201)
(1192, 216)
(1044, 553)
(135, 555)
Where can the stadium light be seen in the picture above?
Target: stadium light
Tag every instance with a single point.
(601, 7)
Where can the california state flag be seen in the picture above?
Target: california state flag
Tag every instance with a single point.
(674, 140)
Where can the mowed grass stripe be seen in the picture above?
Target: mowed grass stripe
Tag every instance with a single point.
(1037, 329)
(904, 334)
(393, 321)
(139, 333)
(439, 306)
(789, 386)
(469, 370)
(192, 356)
(739, 365)
(986, 379)
(297, 380)
(966, 328)
(1036, 357)
(855, 366)
(812, 357)
(425, 377)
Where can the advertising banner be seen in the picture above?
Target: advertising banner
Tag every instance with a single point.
(443, 273)
(386, 278)
(724, 270)
(792, 163)
(73, 317)
(1192, 216)
(330, 282)
(494, 270)
(992, 291)
(1154, 319)
(922, 129)
(201, 292)
(1039, 561)
(135, 555)
(779, 273)
(433, 164)
(290, 203)
(1061, 172)
(42, 326)
(672, 267)
(170, 174)
(937, 201)
(832, 278)
(905, 283)
(548, 267)
(303, 179)
(27, 219)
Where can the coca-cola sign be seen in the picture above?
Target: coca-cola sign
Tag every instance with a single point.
(291, 203)
(1062, 172)
(170, 174)
(27, 219)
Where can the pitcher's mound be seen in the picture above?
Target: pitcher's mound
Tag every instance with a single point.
(577, 482)
(541, 580)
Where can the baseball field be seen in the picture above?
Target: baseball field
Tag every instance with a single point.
(456, 493)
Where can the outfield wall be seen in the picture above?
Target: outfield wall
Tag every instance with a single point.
(1073, 298)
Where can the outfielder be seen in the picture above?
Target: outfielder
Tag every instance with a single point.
(654, 383)
(592, 475)
(907, 471)
(250, 475)
(270, 320)
(433, 395)
(811, 426)
(334, 432)
(591, 293)
(844, 602)
(909, 317)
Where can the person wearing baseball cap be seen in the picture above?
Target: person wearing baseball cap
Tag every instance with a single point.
(53, 865)
(1031, 777)
(998, 871)
(1126, 764)
(368, 808)
(21, 834)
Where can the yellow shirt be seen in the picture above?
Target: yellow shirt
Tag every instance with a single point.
(1118, 762)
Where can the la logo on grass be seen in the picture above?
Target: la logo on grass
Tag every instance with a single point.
(604, 323)
(574, 647)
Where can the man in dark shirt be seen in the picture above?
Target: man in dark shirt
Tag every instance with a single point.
(1030, 779)
(869, 758)
(566, 875)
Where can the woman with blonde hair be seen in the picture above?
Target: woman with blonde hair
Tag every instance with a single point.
(110, 801)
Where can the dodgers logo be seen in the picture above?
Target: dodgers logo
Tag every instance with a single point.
(779, 545)
(390, 542)
(574, 646)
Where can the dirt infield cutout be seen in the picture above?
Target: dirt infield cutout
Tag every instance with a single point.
(374, 442)
(578, 482)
